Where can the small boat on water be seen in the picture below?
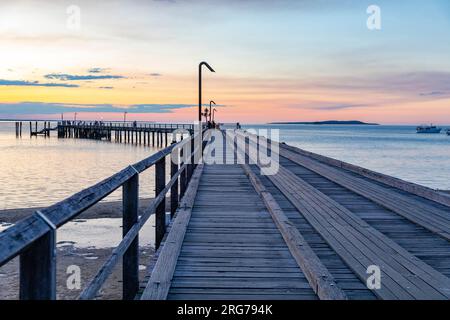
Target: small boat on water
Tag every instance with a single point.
(429, 129)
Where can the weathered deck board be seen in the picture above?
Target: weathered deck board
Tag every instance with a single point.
(424, 244)
(428, 216)
(233, 247)
(233, 256)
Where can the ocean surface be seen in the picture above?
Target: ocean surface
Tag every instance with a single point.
(40, 171)
(394, 150)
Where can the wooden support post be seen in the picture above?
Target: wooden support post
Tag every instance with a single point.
(247, 148)
(183, 180)
(192, 165)
(157, 138)
(174, 190)
(153, 138)
(130, 269)
(165, 138)
(38, 269)
(160, 216)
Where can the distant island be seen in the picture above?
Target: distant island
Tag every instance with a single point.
(330, 122)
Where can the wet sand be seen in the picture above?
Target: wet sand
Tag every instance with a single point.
(107, 209)
(89, 259)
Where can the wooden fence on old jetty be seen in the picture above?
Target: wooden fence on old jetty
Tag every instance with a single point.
(155, 134)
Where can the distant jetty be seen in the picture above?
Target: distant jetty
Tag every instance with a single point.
(353, 122)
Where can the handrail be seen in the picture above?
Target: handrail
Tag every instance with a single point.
(94, 286)
(33, 237)
(127, 125)
(91, 290)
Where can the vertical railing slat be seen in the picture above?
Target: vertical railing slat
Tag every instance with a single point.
(174, 190)
(38, 269)
(130, 269)
(160, 214)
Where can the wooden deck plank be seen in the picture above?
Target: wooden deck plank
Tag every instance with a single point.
(346, 236)
(158, 286)
(317, 274)
(433, 219)
(233, 248)
(228, 247)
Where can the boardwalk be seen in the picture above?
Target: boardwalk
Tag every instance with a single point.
(316, 229)
(249, 236)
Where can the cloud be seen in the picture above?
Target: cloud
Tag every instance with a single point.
(155, 74)
(158, 108)
(107, 88)
(54, 108)
(71, 77)
(97, 70)
(339, 107)
(34, 84)
(433, 93)
(413, 83)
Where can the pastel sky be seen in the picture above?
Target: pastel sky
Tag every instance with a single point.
(299, 60)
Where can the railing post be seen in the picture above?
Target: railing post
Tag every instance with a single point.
(247, 149)
(130, 268)
(160, 215)
(38, 269)
(174, 190)
(183, 180)
(192, 164)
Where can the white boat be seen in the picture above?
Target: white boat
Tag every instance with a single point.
(428, 129)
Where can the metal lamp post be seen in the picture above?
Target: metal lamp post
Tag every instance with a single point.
(214, 112)
(203, 63)
(210, 111)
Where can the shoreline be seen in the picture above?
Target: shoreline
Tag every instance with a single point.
(107, 209)
(89, 259)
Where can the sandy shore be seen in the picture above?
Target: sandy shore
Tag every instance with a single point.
(107, 209)
(89, 259)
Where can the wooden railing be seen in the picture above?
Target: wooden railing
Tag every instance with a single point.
(125, 125)
(34, 238)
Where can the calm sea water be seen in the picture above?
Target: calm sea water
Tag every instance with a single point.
(394, 150)
(40, 171)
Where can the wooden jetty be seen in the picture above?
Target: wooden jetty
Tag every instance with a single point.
(155, 134)
(45, 131)
(313, 230)
(18, 129)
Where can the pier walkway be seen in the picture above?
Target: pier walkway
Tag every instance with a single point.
(316, 228)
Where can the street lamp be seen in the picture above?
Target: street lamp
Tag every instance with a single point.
(211, 102)
(125, 117)
(214, 112)
(75, 117)
(200, 87)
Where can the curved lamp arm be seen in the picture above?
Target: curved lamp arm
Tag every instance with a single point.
(203, 63)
